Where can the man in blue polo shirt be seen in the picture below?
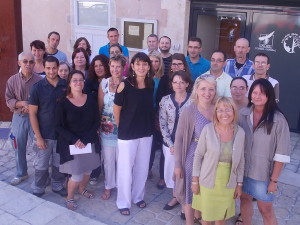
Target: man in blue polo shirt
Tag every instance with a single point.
(43, 99)
(241, 65)
(197, 64)
(113, 37)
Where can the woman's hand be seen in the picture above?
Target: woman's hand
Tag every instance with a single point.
(272, 187)
(79, 144)
(195, 188)
(172, 149)
(178, 173)
(238, 192)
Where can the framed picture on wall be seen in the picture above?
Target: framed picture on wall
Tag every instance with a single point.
(136, 31)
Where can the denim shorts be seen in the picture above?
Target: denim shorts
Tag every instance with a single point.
(257, 189)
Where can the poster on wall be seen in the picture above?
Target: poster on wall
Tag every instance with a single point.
(278, 36)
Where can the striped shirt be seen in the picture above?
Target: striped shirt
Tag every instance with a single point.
(233, 71)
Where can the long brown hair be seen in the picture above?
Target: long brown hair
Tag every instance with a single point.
(69, 94)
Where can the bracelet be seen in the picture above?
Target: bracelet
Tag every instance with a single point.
(274, 181)
(239, 184)
(194, 182)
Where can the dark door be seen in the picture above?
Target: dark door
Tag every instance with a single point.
(10, 46)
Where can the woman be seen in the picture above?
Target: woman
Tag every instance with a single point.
(171, 107)
(238, 90)
(82, 42)
(115, 50)
(99, 69)
(190, 125)
(80, 61)
(63, 70)
(267, 148)
(134, 115)
(108, 128)
(178, 63)
(77, 122)
(38, 50)
(158, 67)
(217, 169)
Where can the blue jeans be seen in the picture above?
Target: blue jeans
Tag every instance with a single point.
(21, 130)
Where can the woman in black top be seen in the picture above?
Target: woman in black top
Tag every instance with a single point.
(134, 114)
(77, 122)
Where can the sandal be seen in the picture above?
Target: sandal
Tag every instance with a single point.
(197, 220)
(106, 194)
(141, 204)
(125, 211)
(71, 204)
(239, 220)
(171, 206)
(87, 194)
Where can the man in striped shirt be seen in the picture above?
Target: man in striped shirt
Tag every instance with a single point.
(241, 65)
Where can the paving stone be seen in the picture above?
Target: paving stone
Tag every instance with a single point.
(165, 216)
(282, 213)
(156, 222)
(8, 218)
(20, 222)
(292, 222)
(155, 207)
(144, 216)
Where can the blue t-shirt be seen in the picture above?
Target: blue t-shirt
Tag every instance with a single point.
(46, 97)
(199, 67)
(105, 50)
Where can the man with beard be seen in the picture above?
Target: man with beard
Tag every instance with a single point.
(217, 62)
(197, 64)
(164, 47)
(241, 65)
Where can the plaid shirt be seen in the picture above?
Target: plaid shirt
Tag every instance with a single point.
(233, 71)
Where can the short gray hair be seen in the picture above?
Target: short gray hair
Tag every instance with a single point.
(20, 56)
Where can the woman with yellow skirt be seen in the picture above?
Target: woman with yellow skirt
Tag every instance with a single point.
(218, 166)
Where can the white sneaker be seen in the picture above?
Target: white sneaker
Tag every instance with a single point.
(93, 181)
(18, 180)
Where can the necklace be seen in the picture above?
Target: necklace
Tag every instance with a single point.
(114, 84)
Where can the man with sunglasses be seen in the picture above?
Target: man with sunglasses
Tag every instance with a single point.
(16, 96)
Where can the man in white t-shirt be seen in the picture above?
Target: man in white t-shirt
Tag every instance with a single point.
(152, 42)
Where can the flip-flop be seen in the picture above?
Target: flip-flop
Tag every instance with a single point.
(197, 220)
(87, 194)
(141, 204)
(71, 204)
(125, 211)
(106, 194)
(239, 220)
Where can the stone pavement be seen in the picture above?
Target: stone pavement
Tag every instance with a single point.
(18, 206)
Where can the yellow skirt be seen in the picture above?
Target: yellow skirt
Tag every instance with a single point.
(217, 203)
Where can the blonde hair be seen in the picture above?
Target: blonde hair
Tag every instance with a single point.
(210, 79)
(160, 72)
(227, 102)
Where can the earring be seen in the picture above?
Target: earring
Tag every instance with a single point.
(148, 74)
(133, 74)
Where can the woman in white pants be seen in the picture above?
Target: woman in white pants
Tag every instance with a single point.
(108, 128)
(170, 108)
(134, 115)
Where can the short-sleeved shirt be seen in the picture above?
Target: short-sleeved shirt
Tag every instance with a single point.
(223, 84)
(137, 113)
(105, 50)
(198, 68)
(167, 62)
(62, 57)
(233, 71)
(46, 97)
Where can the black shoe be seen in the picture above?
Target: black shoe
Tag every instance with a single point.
(38, 194)
(182, 216)
(63, 192)
(169, 207)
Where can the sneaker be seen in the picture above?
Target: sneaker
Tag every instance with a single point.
(38, 194)
(18, 180)
(63, 192)
(93, 181)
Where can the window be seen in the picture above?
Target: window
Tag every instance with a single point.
(92, 13)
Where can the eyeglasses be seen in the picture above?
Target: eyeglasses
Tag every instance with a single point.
(179, 82)
(228, 110)
(25, 61)
(260, 63)
(177, 64)
(217, 61)
(77, 81)
(238, 88)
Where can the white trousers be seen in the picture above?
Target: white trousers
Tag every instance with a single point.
(132, 167)
(109, 156)
(169, 167)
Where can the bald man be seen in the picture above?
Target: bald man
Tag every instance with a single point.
(241, 65)
(16, 96)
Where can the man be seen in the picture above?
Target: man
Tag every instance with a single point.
(217, 62)
(240, 65)
(261, 66)
(43, 99)
(164, 47)
(152, 42)
(16, 96)
(53, 42)
(113, 37)
(197, 64)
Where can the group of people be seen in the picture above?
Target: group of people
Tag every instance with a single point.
(216, 122)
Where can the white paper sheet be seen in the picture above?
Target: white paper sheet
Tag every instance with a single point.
(76, 151)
